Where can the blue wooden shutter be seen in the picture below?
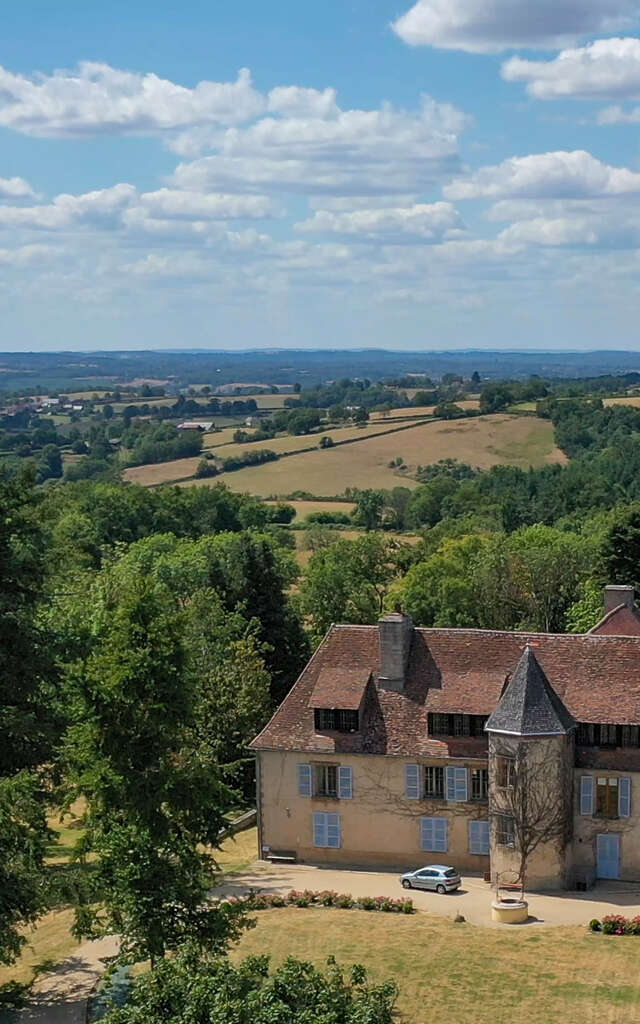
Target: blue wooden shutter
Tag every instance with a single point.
(586, 794)
(319, 829)
(456, 784)
(479, 837)
(426, 833)
(304, 780)
(624, 797)
(334, 832)
(345, 782)
(434, 834)
(441, 835)
(412, 778)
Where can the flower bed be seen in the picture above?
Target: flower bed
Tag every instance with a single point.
(257, 900)
(616, 924)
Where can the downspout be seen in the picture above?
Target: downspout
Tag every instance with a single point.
(259, 803)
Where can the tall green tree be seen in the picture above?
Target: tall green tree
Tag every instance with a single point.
(347, 581)
(153, 799)
(29, 719)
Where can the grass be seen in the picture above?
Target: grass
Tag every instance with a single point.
(238, 852)
(627, 400)
(462, 972)
(51, 941)
(420, 410)
(482, 442)
(162, 472)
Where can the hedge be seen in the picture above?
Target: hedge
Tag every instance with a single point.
(257, 900)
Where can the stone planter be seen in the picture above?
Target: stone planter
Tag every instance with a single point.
(509, 911)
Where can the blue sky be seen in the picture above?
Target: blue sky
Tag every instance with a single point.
(450, 174)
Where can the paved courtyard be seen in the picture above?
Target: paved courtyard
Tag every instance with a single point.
(473, 899)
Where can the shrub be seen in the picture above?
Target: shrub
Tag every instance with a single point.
(367, 903)
(594, 925)
(327, 898)
(344, 901)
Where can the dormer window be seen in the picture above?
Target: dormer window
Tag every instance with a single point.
(338, 699)
(456, 725)
(336, 720)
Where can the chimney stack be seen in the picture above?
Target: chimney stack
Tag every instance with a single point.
(396, 634)
(615, 595)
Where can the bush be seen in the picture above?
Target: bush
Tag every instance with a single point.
(616, 924)
(326, 517)
(367, 903)
(256, 900)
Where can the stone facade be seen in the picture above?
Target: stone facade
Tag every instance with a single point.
(396, 746)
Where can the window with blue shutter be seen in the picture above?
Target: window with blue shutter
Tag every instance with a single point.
(624, 797)
(456, 789)
(479, 837)
(434, 834)
(412, 778)
(345, 782)
(586, 794)
(326, 830)
(305, 787)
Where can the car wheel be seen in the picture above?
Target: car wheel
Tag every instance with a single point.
(406, 884)
(440, 889)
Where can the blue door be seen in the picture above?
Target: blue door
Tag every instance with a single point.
(608, 856)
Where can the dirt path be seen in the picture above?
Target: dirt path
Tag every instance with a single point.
(61, 996)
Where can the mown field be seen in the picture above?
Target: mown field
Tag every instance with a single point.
(464, 973)
(420, 410)
(482, 442)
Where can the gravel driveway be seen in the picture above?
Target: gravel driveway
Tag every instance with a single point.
(473, 899)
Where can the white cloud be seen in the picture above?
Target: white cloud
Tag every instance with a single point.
(604, 69)
(592, 229)
(423, 222)
(16, 188)
(97, 208)
(25, 255)
(358, 151)
(295, 101)
(562, 174)
(174, 203)
(616, 115)
(96, 98)
(491, 26)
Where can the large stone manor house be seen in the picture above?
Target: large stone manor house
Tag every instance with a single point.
(400, 746)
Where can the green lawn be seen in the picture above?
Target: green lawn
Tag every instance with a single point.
(466, 974)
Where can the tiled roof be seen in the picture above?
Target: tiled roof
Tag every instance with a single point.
(459, 671)
(529, 705)
(620, 621)
(339, 687)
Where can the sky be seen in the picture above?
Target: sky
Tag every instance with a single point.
(345, 174)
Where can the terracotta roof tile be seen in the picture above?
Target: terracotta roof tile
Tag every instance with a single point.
(339, 687)
(620, 621)
(458, 671)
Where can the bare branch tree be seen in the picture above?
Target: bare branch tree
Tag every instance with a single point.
(535, 791)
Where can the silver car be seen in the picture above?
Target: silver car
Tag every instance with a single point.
(437, 877)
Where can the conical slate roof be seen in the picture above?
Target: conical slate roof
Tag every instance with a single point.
(530, 706)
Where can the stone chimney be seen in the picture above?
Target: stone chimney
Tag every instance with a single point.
(396, 634)
(615, 595)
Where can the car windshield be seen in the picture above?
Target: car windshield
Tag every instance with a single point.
(450, 872)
